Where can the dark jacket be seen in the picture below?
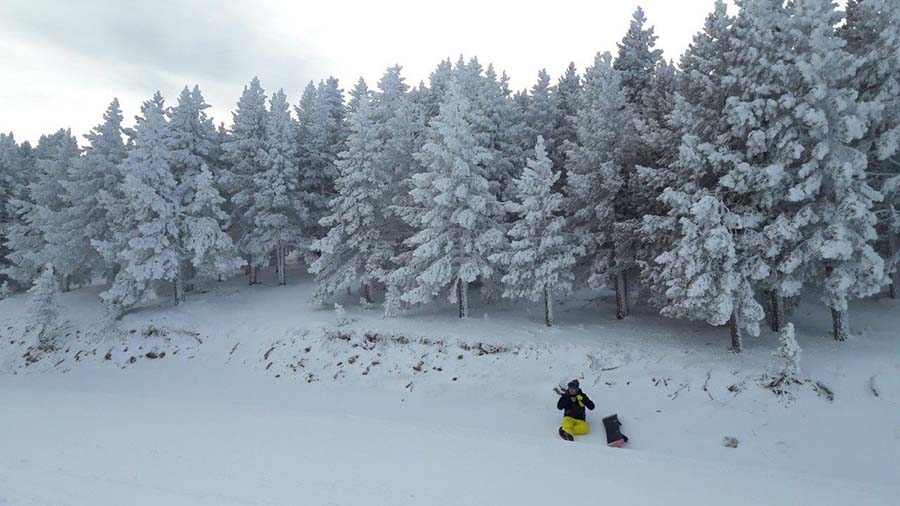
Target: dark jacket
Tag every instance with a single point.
(572, 406)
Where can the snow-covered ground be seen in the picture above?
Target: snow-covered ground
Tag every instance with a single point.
(257, 396)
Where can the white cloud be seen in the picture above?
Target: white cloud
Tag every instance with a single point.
(64, 61)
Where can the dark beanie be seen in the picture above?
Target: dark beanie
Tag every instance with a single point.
(573, 384)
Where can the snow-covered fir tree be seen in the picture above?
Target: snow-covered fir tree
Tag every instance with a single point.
(358, 246)
(91, 182)
(598, 164)
(360, 92)
(400, 116)
(242, 151)
(568, 89)
(698, 117)
(17, 168)
(9, 164)
(636, 64)
(206, 249)
(43, 304)
(827, 188)
(872, 33)
(34, 210)
(322, 135)
(400, 122)
(503, 131)
(456, 217)
(541, 117)
(658, 135)
(279, 212)
(439, 83)
(637, 59)
(541, 255)
(147, 246)
(704, 274)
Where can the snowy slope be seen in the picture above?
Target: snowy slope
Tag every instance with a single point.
(263, 398)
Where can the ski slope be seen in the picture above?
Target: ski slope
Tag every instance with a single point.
(75, 442)
(257, 402)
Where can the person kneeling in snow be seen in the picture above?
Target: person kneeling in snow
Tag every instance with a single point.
(572, 402)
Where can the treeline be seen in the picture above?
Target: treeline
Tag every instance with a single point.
(763, 166)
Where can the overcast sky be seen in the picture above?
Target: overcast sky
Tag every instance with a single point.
(63, 61)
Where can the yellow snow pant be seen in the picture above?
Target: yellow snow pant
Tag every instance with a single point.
(575, 427)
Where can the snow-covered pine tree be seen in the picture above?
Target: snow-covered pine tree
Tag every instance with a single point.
(325, 134)
(872, 33)
(43, 304)
(91, 181)
(399, 117)
(9, 164)
(204, 247)
(541, 117)
(637, 61)
(832, 201)
(208, 250)
(504, 131)
(279, 211)
(357, 247)
(223, 180)
(658, 135)
(655, 172)
(704, 274)
(698, 118)
(147, 245)
(359, 93)
(35, 209)
(17, 163)
(739, 150)
(597, 166)
(439, 83)
(243, 154)
(400, 122)
(541, 255)
(456, 217)
(568, 89)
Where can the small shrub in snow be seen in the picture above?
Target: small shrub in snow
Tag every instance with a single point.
(43, 303)
(786, 371)
(4, 290)
(730, 442)
(789, 352)
(341, 313)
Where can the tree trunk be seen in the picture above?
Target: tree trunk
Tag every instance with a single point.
(190, 275)
(737, 344)
(839, 324)
(462, 297)
(548, 307)
(177, 288)
(254, 271)
(367, 292)
(248, 268)
(776, 311)
(621, 296)
(282, 277)
(895, 276)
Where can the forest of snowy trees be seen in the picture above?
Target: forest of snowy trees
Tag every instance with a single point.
(761, 167)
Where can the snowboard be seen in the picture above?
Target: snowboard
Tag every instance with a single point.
(614, 436)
